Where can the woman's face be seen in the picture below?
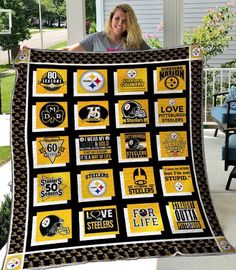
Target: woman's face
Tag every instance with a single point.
(119, 22)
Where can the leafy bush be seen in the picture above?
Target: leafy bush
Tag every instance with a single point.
(6, 88)
(5, 154)
(92, 28)
(152, 40)
(231, 64)
(5, 214)
(213, 35)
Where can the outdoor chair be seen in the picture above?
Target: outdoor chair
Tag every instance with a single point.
(229, 153)
(224, 115)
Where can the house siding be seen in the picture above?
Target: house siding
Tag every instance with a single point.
(150, 15)
(148, 12)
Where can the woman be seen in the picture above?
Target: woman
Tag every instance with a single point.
(122, 32)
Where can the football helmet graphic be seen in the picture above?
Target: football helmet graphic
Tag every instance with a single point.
(143, 212)
(132, 109)
(140, 177)
(52, 225)
(134, 144)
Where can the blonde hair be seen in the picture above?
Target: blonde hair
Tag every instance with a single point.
(132, 38)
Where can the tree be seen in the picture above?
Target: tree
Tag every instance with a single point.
(20, 25)
(47, 11)
(54, 9)
(31, 10)
(5, 214)
(60, 9)
(90, 6)
(4, 21)
(213, 35)
(91, 10)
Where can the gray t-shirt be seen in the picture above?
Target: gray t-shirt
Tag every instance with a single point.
(99, 42)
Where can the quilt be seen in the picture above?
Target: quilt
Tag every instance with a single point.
(108, 159)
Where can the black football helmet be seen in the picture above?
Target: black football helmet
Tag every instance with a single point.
(134, 144)
(52, 225)
(132, 109)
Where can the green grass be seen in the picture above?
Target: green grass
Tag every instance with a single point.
(4, 67)
(5, 154)
(36, 30)
(58, 45)
(7, 86)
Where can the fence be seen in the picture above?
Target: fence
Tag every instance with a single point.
(216, 80)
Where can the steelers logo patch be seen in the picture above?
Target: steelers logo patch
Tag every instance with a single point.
(173, 136)
(92, 81)
(185, 217)
(97, 187)
(171, 82)
(99, 221)
(52, 114)
(170, 112)
(137, 182)
(22, 56)
(13, 263)
(52, 148)
(134, 146)
(132, 113)
(132, 109)
(51, 151)
(52, 226)
(95, 148)
(131, 73)
(143, 219)
(196, 51)
(93, 113)
(179, 186)
(143, 212)
(171, 102)
(52, 81)
(170, 79)
(225, 245)
(45, 222)
(131, 80)
(176, 180)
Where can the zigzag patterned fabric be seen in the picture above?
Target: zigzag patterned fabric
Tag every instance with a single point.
(107, 159)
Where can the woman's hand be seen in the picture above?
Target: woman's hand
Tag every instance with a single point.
(24, 48)
(74, 47)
